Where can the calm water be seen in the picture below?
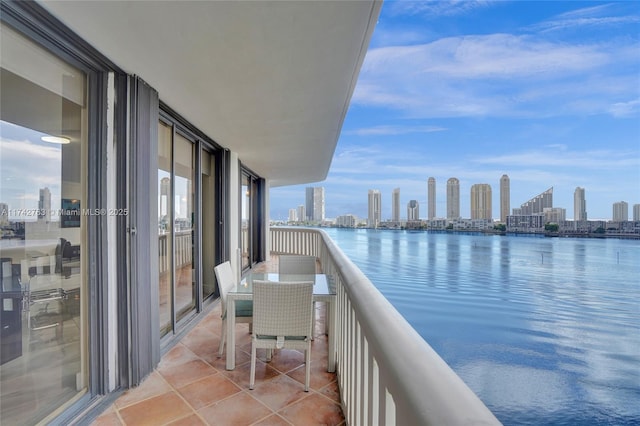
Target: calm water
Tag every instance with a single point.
(546, 331)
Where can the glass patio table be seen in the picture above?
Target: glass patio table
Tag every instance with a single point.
(323, 291)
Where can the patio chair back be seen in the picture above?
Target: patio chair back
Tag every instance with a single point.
(296, 264)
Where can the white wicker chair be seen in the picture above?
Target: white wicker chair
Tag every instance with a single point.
(282, 314)
(244, 308)
(295, 264)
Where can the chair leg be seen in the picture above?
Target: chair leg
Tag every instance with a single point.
(307, 369)
(252, 378)
(222, 339)
(313, 321)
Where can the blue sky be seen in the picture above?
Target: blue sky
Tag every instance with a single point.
(545, 92)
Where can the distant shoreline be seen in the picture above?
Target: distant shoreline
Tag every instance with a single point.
(547, 234)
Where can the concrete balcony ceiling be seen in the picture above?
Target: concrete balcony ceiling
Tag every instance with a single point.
(270, 80)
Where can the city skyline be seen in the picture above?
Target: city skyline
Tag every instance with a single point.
(545, 93)
(480, 196)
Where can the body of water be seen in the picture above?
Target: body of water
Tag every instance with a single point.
(546, 331)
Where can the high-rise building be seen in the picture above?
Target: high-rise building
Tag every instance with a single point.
(44, 205)
(431, 198)
(293, 215)
(579, 205)
(375, 208)
(302, 213)
(413, 210)
(453, 198)
(636, 212)
(505, 198)
(315, 203)
(555, 215)
(395, 205)
(481, 201)
(346, 221)
(620, 211)
(537, 204)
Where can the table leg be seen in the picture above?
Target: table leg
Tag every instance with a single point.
(231, 335)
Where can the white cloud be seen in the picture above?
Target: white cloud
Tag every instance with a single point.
(561, 157)
(587, 17)
(499, 75)
(625, 109)
(394, 130)
(433, 8)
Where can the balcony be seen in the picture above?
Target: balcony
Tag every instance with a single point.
(386, 373)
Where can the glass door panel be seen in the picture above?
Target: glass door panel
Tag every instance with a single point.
(245, 231)
(184, 213)
(208, 223)
(165, 228)
(43, 288)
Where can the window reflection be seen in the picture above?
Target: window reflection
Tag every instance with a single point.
(43, 357)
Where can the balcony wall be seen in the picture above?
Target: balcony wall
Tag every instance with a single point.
(387, 373)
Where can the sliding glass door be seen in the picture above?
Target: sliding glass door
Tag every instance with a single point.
(187, 222)
(176, 226)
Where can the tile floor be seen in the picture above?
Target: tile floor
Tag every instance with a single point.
(192, 387)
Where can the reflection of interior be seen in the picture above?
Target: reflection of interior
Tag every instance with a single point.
(41, 330)
(42, 354)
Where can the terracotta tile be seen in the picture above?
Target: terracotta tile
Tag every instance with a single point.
(208, 390)
(331, 391)
(177, 355)
(274, 420)
(109, 418)
(313, 410)
(238, 410)
(278, 392)
(153, 385)
(155, 411)
(192, 420)
(242, 357)
(240, 375)
(203, 343)
(188, 372)
(319, 375)
(319, 347)
(285, 360)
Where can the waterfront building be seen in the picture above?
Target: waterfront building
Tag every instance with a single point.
(537, 204)
(413, 211)
(315, 204)
(481, 201)
(302, 213)
(431, 198)
(453, 198)
(374, 216)
(579, 205)
(526, 223)
(395, 205)
(505, 198)
(555, 215)
(620, 211)
(636, 212)
(293, 215)
(347, 221)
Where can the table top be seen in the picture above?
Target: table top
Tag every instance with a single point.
(322, 285)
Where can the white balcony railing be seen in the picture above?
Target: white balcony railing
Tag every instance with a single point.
(387, 373)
